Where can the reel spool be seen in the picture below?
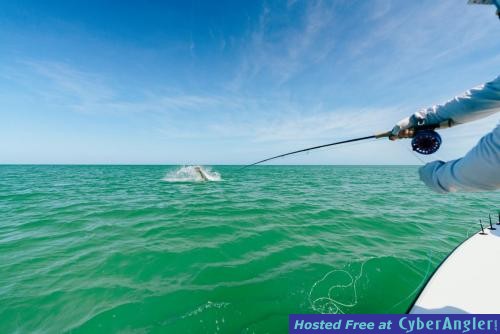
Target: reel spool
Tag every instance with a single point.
(426, 142)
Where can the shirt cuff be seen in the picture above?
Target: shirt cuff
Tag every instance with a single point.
(429, 176)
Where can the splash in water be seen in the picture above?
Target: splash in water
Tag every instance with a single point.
(192, 174)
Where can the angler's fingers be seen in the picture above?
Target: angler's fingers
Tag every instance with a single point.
(406, 133)
(403, 128)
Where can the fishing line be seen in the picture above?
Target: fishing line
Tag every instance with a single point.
(332, 305)
(472, 228)
(415, 155)
(419, 286)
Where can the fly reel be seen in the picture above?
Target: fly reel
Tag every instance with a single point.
(426, 142)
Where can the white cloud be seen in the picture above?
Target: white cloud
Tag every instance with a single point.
(334, 124)
(284, 52)
(76, 90)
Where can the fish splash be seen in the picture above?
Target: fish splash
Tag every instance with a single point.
(192, 174)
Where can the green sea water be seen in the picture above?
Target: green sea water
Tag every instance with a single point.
(125, 249)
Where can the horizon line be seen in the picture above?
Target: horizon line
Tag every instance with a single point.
(161, 164)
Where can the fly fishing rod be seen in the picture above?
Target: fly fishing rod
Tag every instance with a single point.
(425, 140)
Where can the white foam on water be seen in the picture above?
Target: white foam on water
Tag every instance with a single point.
(192, 174)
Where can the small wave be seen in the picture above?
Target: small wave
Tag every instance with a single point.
(192, 174)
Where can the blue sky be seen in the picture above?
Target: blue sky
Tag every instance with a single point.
(223, 82)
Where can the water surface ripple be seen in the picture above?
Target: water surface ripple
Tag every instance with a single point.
(101, 249)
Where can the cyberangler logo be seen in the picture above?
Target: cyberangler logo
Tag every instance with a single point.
(447, 324)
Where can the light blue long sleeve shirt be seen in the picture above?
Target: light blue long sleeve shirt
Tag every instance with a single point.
(479, 169)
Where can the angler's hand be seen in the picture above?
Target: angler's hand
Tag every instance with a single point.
(404, 128)
(406, 133)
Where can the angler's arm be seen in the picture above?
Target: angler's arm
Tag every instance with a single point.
(479, 102)
(479, 169)
(474, 104)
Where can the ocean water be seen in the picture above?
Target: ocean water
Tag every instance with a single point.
(152, 249)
